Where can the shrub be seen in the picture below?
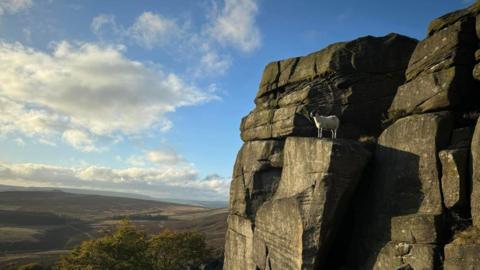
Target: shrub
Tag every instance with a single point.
(32, 266)
(128, 248)
(171, 251)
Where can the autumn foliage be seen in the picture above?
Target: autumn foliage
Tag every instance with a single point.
(128, 248)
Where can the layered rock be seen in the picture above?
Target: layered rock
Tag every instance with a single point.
(301, 203)
(256, 175)
(349, 79)
(239, 244)
(403, 204)
(439, 74)
(276, 205)
(295, 229)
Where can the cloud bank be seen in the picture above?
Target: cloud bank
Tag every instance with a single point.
(80, 91)
(14, 6)
(180, 182)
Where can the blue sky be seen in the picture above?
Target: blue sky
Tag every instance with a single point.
(147, 96)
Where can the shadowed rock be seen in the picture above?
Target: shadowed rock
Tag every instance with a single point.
(439, 73)
(452, 46)
(404, 200)
(255, 176)
(295, 229)
(451, 18)
(349, 79)
(433, 91)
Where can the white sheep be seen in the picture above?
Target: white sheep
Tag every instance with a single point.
(330, 122)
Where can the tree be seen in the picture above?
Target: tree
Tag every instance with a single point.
(130, 249)
(125, 249)
(174, 251)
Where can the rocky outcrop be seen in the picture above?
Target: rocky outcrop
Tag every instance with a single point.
(439, 72)
(454, 177)
(239, 244)
(463, 252)
(462, 257)
(296, 228)
(475, 196)
(348, 79)
(399, 198)
(277, 210)
(403, 204)
(256, 175)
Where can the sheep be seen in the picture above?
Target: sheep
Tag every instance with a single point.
(330, 122)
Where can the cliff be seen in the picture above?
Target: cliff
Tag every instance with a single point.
(399, 189)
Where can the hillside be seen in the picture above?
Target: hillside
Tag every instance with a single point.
(43, 224)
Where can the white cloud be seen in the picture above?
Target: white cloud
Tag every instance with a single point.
(180, 182)
(14, 6)
(80, 140)
(88, 87)
(150, 30)
(235, 25)
(100, 22)
(164, 157)
(211, 62)
(161, 158)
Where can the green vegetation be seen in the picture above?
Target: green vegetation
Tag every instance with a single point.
(46, 225)
(128, 248)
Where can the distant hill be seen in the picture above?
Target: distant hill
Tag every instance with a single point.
(209, 204)
(86, 206)
(42, 221)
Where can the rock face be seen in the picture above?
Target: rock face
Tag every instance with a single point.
(381, 197)
(454, 177)
(462, 257)
(403, 204)
(348, 79)
(256, 175)
(439, 74)
(294, 223)
(475, 196)
(238, 244)
(295, 229)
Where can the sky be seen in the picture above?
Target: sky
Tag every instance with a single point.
(146, 96)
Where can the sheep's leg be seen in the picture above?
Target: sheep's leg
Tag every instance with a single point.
(320, 132)
(334, 133)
